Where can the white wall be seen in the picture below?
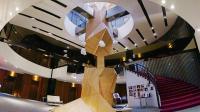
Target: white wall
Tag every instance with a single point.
(187, 9)
(14, 61)
(8, 9)
(133, 80)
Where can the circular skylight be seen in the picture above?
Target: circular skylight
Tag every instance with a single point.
(117, 19)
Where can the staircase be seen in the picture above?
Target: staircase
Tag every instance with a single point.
(177, 95)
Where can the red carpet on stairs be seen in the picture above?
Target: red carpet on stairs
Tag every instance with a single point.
(177, 95)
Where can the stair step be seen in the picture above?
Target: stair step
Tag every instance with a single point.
(177, 95)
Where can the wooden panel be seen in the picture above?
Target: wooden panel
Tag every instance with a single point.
(23, 86)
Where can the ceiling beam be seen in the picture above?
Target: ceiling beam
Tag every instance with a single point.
(45, 11)
(147, 17)
(164, 16)
(25, 15)
(59, 3)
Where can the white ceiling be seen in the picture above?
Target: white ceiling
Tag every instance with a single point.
(154, 11)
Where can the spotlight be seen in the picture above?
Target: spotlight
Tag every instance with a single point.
(139, 55)
(163, 2)
(65, 55)
(65, 51)
(198, 29)
(115, 41)
(10, 13)
(17, 8)
(170, 45)
(36, 78)
(124, 58)
(73, 85)
(12, 74)
(172, 7)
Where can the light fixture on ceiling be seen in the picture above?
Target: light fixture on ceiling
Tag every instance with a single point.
(33, 18)
(135, 45)
(12, 74)
(198, 29)
(154, 34)
(73, 85)
(126, 48)
(124, 58)
(35, 78)
(152, 28)
(139, 55)
(115, 41)
(170, 45)
(17, 9)
(75, 60)
(165, 17)
(102, 43)
(163, 2)
(46, 55)
(49, 33)
(172, 7)
(68, 47)
(144, 40)
(10, 13)
(65, 55)
(65, 51)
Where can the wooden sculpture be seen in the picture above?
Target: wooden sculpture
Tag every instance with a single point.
(99, 82)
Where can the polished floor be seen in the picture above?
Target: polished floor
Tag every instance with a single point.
(9, 103)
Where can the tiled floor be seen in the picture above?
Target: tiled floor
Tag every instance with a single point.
(11, 104)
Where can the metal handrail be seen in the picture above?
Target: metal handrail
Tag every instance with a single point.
(144, 72)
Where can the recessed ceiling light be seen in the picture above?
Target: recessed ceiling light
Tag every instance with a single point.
(198, 29)
(163, 2)
(10, 13)
(17, 8)
(135, 45)
(152, 27)
(154, 34)
(75, 61)
(45, 55)
(139, 55)
(170, 45)
(126, 48)
(68, 47)
(172, 7)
